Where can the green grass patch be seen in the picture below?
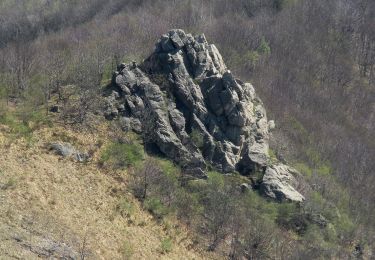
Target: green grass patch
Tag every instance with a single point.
(125, 208)
(166, 245)
(10, 184)
(22, 124)
(304, 169)
(126, 250)
(122, 155)
(16, 126)
(156, 207)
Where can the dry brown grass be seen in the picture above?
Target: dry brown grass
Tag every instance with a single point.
(53, 202)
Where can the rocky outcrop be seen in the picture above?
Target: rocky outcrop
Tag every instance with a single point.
(67, 150)
(191, 108)
(279, 182)
(184, 92)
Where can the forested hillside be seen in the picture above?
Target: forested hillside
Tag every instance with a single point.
(311, 62)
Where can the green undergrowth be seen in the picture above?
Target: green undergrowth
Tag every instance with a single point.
(197, 138)
(166, 245)
(333, 199)
(121, 155)
(327, 197)
(213, 207)
(22, 124)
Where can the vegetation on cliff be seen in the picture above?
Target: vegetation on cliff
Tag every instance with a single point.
(312, 63)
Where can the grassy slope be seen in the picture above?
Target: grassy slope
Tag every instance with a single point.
(49, 201)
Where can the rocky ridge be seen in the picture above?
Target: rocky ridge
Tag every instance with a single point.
(190, 108)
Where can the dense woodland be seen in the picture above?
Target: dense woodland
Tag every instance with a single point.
(311, 62)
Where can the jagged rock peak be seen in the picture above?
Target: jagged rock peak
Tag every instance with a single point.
(202, 59)
(190, 108)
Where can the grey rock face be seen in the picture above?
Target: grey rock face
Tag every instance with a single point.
(186, 103)
(182, 94)
(279, 182)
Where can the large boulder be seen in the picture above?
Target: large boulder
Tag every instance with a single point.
(186, 103)
(279, 182)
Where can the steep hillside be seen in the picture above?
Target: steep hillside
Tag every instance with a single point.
(301, 191)
(56, 207)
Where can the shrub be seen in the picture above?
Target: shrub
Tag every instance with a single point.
(286, 212)
(107, 74)
(324, 170)
(158, 178)
(125, 208)
(281, 4)
(315, 203)
(146, 179)
(314, 235)
(218, 206)
(37, 119)
(17, 128)
(298, 128)
(290, 217)
(119, 155)
(330, 233)
(169, 168)
(160, 80)
(304, 169)
(156, 207)
(10, 184)
(272, 154)
(187, 205)
(22, 122)
(126, 250)
(313, 156)
(251, 58)
(197, 138)
(167, 181)
(257, 241)
(166, 245)
(195, 186)
(216, 180)
(344, 226)
(264, 48)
